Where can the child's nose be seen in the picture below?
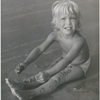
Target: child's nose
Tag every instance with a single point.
(67, 22)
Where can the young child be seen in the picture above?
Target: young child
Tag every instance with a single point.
(73, 63)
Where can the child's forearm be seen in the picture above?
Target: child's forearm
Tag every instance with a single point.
(55, 62)
(58, 67)
(33, 56)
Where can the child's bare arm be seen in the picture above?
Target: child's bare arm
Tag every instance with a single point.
(55, 62)
(36, 52)
(72, 54)
(40, 49)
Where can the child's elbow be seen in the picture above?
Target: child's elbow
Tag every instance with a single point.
(39, 49)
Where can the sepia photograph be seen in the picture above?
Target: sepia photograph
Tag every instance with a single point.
(49, 49)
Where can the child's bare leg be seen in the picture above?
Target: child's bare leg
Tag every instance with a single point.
(73, 73)
(43, 89)
(67, 75)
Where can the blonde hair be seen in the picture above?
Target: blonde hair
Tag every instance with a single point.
(63, 7)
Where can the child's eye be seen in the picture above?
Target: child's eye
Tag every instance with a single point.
(73, 18)
(62, 18)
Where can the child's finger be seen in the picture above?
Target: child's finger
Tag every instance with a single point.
(40, 81)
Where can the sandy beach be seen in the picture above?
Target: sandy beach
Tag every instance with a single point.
(24, 25)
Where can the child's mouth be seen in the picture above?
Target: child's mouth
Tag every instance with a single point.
(68, 28)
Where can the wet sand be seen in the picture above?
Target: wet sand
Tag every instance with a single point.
(25, 24)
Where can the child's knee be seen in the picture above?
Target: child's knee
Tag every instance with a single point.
(58, 79)
(55, 79)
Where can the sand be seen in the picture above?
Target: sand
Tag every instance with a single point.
(25, 25)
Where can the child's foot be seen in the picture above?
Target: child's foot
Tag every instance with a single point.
(14, 83)
(23, 85)
(31, 83)
(20, 94)
(23, 95)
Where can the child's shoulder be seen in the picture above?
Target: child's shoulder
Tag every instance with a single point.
(79, 37)
(54, 34)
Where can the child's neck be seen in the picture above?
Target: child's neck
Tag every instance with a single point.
(70, 36)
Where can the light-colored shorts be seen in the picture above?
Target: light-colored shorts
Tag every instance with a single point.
(85, 66)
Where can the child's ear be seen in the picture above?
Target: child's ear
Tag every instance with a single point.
(78, 28)
(58, 26)
(56, 29)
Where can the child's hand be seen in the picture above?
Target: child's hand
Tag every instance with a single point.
(39, 77)
(19, 68)
(42, 77)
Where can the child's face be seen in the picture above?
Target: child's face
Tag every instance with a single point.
(68, 23)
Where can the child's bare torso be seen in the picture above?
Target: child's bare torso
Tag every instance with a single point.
(67, 43)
